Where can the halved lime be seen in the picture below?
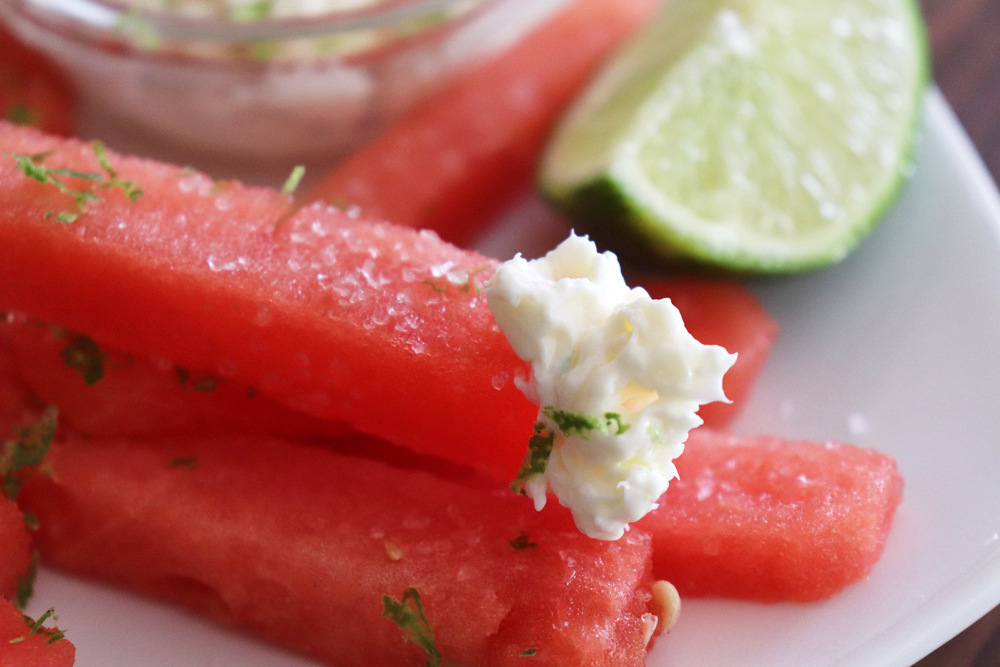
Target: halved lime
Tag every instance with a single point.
(755, 135)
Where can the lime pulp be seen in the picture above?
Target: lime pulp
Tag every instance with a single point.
(753, 135)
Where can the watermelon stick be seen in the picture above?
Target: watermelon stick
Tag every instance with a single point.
(460, 158)
(720, 312)
(32, 90)
(20, 456)
(103, 392)
(321, 551)
(26, 642)
(16, 404)
(15, 552)
(770, 519)
(342, 318)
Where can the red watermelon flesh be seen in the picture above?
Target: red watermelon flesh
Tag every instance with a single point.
(300, 544)
(17, 406)
(32, 91)
(725, 313)
(345, 319)
(141, 398)
(461, 157)
(15, 549)
(769, 519)
(34, 650)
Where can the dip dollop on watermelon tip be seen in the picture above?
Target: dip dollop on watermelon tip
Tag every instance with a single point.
(617, 377)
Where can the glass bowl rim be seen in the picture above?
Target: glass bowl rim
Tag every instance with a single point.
(105, 16)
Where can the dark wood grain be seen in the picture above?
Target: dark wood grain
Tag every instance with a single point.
(965, 48)
(965, 51)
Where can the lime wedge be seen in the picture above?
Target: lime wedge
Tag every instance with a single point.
(753, 135)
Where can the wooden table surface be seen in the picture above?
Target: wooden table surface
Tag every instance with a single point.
(965, 48)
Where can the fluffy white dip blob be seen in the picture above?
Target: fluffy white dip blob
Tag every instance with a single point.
(617, 378)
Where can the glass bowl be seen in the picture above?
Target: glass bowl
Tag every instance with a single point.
(260, 81)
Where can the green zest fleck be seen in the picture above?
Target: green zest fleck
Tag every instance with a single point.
(528, 652)
(142, 33)
(189, 462)
(338, 201)
(31, 521)
(433, 286)
(204, 382)
(54, 635)
(132, 192)
(264, 50)
(522, 542)
(32, 166)
(408, 614)
(26, 584)
(615, 417)
(26, 451)
(21, 114)
(572, 423)
(83, 355)
(293, 181)
(537, 457)
(252, 11)
(467, 285)
(577, 424)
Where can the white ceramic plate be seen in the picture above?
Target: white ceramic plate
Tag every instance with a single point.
(896, 348)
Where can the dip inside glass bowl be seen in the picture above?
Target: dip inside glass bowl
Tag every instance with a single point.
(218, 82)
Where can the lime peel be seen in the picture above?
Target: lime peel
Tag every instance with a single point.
(754, 135)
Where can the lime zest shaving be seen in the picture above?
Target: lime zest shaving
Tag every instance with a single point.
(433, 286)
(293, 180)
(54, 634)
(138, 29)
(204, 382)
(574, 424)
(84, 356)
(131, 190)
(32, 166)
(528, 652)
(539, 450)
(26, 451)
(408, 614)
(20, 113)
(570, 424)
(251, 11)
(463, 279)
(26, 584)
(522, 542)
